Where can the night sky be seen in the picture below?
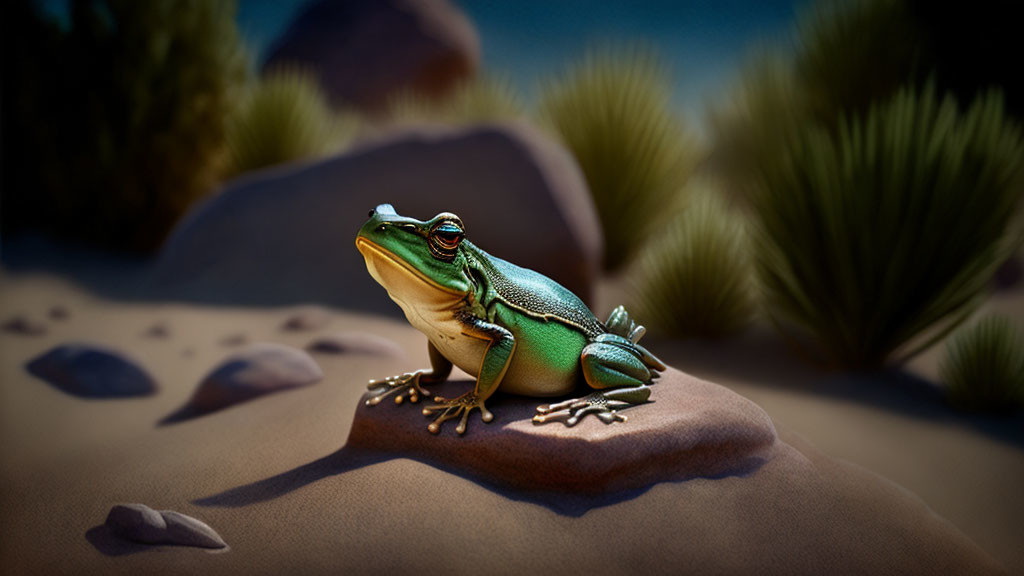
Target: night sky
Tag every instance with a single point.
(526, 40)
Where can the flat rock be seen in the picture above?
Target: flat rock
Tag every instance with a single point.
(25, 326)
(158, 331)
(140, 523)
(365, 51)
(90, 371)
(256, 370)
(307, 320)
(355, 343)
(692, 428)
(287, 236)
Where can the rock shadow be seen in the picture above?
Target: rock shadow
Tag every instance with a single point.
(109, 544)
(347, 459)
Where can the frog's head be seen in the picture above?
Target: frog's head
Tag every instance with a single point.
(409, 256)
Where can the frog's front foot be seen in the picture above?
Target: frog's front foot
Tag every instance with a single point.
(455, 408)
(403, 385)
(603, 404)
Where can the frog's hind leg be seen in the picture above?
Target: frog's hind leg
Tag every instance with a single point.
(617, 371)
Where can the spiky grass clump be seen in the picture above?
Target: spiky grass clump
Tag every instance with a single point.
(696, 279)
(984, 366)
(891, 226)
(480, 99)
(284, 118)
(613, 111)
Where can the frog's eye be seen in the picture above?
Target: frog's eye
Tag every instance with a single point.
(444, 239)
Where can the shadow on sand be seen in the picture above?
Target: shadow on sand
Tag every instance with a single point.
(347, 459)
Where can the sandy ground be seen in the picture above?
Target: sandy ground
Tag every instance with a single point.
(58, 452)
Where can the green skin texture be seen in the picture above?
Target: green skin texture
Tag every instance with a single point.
(510, 327)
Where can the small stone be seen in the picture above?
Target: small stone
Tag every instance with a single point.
(188, 531)
(137, 522)
(159, 331)
(356, 343)
(256, 370)
(92, 372)
(59, 312)
(234, 340)
(307, 320)
(25, 326)
(140, 523)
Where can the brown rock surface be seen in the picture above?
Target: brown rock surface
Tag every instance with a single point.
(690, 429)
(365, 51)
(256, 370)
(287, 236)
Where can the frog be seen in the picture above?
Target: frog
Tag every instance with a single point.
(509, 327)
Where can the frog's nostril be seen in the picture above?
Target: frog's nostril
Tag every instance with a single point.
(371, 213)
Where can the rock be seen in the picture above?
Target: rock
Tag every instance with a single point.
(92, 372)
(356, 343)
(25, 326)
(188, 531)
(140, 523)
(307, 320)
(159, 331)
(137, 522)
(287, 236)
(365, 51)
(257, 370)
(691, 429)
(234, 340)
(59, 313)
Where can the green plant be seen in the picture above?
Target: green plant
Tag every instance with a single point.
(133, 109)
(285, 117)
(613, 111)
(890, 226)
(480, 99)
(695, 278)
(984, 366)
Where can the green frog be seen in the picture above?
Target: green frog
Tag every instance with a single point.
(509, 327)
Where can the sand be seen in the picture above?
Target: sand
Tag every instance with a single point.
(65, 461)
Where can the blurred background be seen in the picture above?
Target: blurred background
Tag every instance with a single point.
(815, 203)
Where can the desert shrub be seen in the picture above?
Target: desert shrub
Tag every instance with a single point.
(695, 277)
(133, 109)
(853, 53)
(765, 109)
(889, 226)
(480, 99)
(285, 117)
(984, 366)
(613, 111)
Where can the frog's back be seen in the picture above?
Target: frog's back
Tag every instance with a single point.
(535, 294)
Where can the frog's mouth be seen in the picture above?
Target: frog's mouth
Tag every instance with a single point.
(393, 272)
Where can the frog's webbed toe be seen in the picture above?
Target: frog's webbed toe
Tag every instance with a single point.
(455, 408)
(399, 386)
(605, 405)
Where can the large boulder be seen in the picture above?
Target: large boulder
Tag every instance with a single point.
(287, 236)
(367, 50)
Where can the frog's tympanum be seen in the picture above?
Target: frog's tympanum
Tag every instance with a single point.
(507, 326)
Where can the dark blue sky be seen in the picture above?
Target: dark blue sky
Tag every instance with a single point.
(527, 40)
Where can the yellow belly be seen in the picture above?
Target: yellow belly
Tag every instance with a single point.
(428, 307)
